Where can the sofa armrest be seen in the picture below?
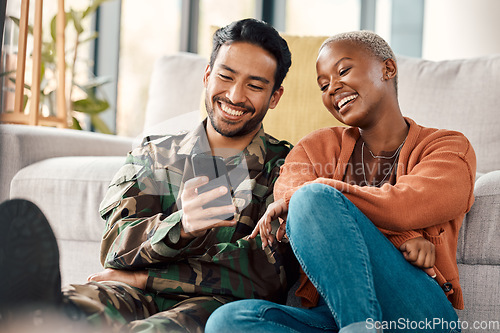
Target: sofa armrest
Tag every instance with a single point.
(479, 240)
(22, 145)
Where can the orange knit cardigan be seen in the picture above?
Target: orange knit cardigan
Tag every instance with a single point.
(433, 191)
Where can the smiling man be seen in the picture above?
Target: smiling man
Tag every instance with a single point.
(238, 97)
(170, 260)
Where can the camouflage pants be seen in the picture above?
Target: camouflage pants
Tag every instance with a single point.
(122, 308)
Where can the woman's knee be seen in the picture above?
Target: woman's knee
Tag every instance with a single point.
(312, 202)
(234, 316)
(222, 318)
(315, 196)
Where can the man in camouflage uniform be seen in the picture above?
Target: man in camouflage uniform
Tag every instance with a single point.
(169, 261)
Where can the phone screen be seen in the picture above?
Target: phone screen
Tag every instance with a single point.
(215, 169)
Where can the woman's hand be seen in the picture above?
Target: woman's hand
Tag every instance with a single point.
(421, 253)
(278, 209)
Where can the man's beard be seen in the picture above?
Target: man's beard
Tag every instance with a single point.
(245, 129)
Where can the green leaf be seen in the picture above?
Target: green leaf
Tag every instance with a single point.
(48, 58)
(90, 106)
(100, 125)
(75, 124)
(49, 47)
(92, 83)
(13, 80)
(92, 8)
(25, 101)
(7, 73)
(53, 27)
(16, 21)
(77, 22)
(90, 38)
(42, 70)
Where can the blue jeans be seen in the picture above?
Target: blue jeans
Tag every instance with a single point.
(363, 280)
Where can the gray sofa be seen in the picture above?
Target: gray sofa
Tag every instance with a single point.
(67, 172)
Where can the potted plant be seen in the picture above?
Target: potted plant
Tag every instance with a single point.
(82, 93)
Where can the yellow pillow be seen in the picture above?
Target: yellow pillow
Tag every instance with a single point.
(300, 110)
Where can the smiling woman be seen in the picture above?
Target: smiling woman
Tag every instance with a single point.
(351, 75)
(378, 218)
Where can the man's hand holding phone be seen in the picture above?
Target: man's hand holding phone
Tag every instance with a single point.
(206, 199)
(196, 220)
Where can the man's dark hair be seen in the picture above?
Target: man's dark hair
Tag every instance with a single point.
(258, 33)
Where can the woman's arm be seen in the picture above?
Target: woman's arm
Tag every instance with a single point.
(436, 187)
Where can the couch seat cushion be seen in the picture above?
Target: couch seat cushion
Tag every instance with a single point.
(68, 190)
(460, 95)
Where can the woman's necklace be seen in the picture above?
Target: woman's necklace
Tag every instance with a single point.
(386, 157)
(395, 156)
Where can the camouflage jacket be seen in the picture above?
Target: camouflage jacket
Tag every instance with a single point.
(143, 217)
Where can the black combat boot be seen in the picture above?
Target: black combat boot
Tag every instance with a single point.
(30, 279)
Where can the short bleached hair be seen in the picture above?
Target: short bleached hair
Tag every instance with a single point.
(368, 40)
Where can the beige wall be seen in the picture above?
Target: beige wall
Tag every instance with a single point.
(460, 29)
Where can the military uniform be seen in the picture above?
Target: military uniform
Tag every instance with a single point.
(186, 283)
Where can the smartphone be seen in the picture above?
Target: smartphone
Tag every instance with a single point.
(215, 169)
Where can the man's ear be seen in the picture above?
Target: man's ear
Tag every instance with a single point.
(275, 97)
(390, 69)
(208, 70)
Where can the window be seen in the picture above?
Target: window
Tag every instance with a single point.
(322, 17)
(9, 55)
(220, 13)
(148, 31)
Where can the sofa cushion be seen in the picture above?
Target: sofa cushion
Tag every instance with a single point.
(78, 260)
(175, 79)
(25, 145)
(68, 190)
(479, 241)
(480, 289)
(461, 95)
(300, 110)
(452, 94)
